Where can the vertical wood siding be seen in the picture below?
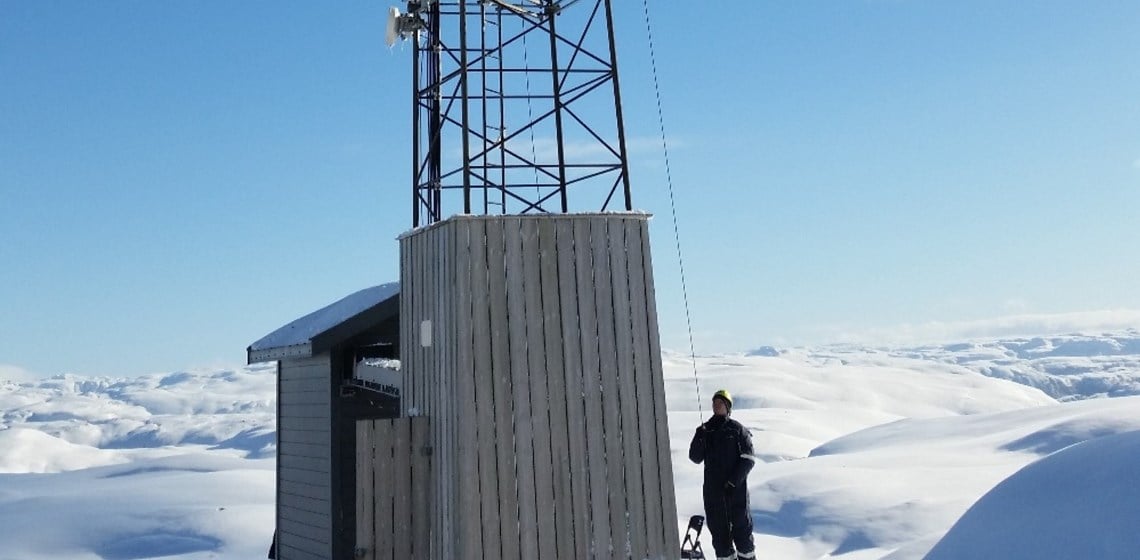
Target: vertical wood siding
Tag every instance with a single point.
(393, 475)
(544, 386)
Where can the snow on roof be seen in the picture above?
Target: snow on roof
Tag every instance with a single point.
(303, 330)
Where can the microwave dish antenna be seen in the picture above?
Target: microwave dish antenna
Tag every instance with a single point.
(401, 26)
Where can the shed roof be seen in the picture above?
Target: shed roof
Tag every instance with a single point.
(320, 330)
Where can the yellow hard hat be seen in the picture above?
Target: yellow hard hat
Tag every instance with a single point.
(725, 396)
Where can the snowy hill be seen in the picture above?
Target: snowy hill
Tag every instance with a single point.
(864, 452)
(1030, 514)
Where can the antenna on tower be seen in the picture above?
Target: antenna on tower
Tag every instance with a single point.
(483, 87)
(401, 26)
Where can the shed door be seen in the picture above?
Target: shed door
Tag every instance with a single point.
(393, 477)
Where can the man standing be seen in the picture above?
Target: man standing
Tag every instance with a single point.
(725, 447)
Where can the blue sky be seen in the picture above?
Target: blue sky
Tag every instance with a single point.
(179, 179)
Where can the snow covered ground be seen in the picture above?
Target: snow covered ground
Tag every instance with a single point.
(985, 449)
(158, 466)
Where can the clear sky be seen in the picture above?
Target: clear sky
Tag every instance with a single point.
(179, 179)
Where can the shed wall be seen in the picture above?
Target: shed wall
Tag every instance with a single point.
(393, 475)
(304, 525)
(543, 380)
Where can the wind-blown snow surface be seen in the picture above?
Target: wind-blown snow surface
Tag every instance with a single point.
(170, 466)
(1094, 481)
(863, 453)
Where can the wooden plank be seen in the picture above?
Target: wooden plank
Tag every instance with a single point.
(310, 449)
(303, 369)
(408, 335)
(314, 464)
(300, 384)
(427, 313)
(469, 538)
(434, 397)
(308, 398)
(384, 472)
(436, 429)
(289, 541)
(307, 405)
(305, 410)
(411, 353)
(316, 382)
(572, 368)
(428, 379)
(311, 437)
(402, 487)
(307, 386)
(484, 391)
(305, 518)
(521, 377)
(421, 489)
(438, 502)
(292, 546)
(286, 552)
(316, 506)
(664, 457)
(301, 476)
(430, 385)
(315, 491)
(291, 423)
(365, 504)
(500, 398)
(550, 322)
(600, 543)
(315, 367)
(655, 519)
(445, 456)
(307, 547)
(427, 293)
(304, 424)
(300, 530)
(298, 449)
(303, 373)
(420, 297)
(408, 392)
(302, 544)
(539, 392)
(627, 388)
(611, 398)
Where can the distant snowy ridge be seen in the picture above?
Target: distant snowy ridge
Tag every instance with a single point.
(1066, 367)
(229, 409)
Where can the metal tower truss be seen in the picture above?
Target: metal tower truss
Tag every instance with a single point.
(517, 108)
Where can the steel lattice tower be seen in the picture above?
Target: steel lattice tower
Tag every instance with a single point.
(516, 108)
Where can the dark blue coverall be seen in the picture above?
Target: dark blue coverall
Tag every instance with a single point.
(725, 447)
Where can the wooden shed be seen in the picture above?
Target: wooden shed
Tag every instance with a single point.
(527, 418)
(328, 379)
(530, 343)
